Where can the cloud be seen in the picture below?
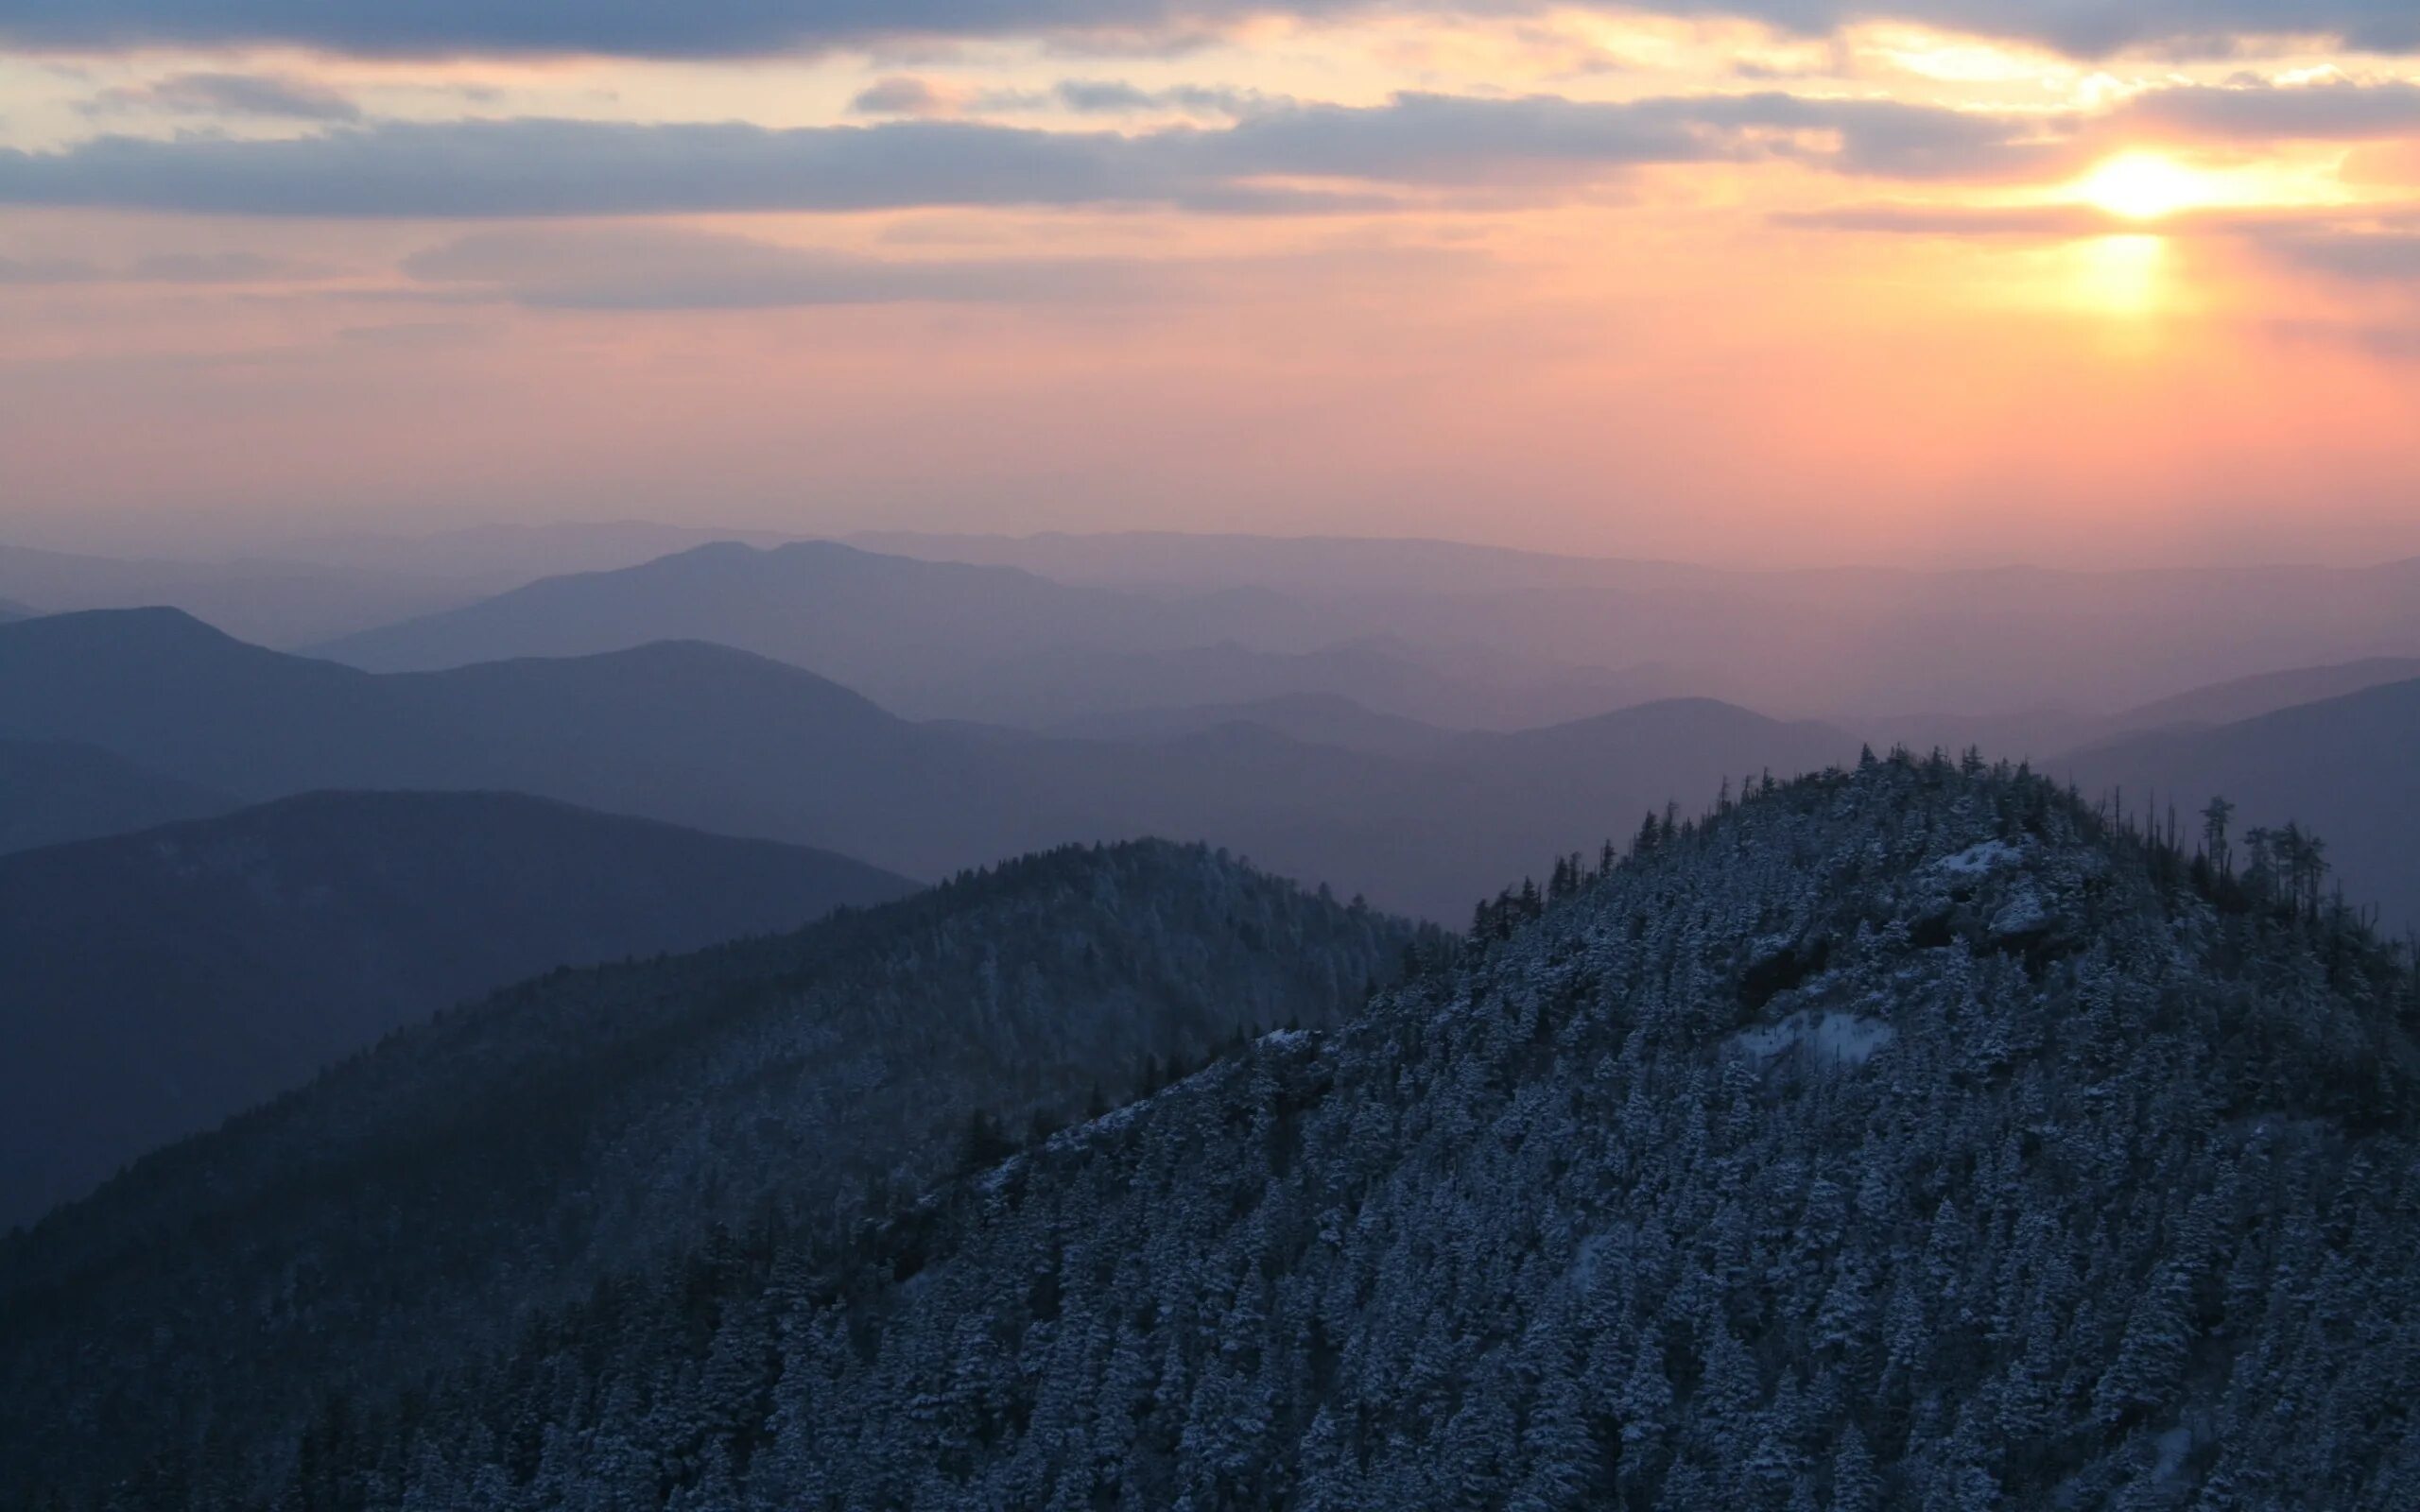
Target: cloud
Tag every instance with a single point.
(560, 167)
(702, 28)
(2040, 222)
(741, 27)
(209, 267)
(639, 267)
(649, 267)
(548, 167)
(220, 94)
(2315, 237)
(42, 270)
(2394, 342)
(1114, 96)
(2351, 256)
(1460, 139)
(901, 94)
(2333, 112)
(2093, 29)
(164, 267)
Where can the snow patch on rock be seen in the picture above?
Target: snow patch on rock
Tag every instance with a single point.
(2023, 914)
(1979, 860)
(1834, 1038)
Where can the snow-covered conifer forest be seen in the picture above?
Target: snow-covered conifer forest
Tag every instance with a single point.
(1916, 1136)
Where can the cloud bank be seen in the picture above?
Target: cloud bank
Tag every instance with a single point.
(534, 167)
(741, 27)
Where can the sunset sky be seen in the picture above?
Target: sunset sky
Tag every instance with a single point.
(2071, 282)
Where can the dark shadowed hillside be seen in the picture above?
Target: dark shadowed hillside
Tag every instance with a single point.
(421, 1200)
(1900, 1139)
(53, 791)
(2342, 768)
(159, 982)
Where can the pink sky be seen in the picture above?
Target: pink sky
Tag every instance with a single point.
(1685, 285)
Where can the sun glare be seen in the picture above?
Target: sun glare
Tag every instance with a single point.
(2121, 275)
(2143, 187)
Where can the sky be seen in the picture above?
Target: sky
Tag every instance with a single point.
(1754, 283)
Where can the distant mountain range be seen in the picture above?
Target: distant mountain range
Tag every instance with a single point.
(2240, 699)
(1010, 629)
(2043, 733)
(55, 791)
(2344, 767)
(276, 602)
(1388, 678)
(1846, 645)
(501, 557)
(944, 639)
(161, 981)
(886, 625)
(716, 738)
(1313, 718)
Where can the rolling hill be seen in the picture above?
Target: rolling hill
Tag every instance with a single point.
(56, 791)
(161, 981)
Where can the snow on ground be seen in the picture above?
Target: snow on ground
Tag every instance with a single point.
(1836, 1039)
(2021, 915)
(1979, 860)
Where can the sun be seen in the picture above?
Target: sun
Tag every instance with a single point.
(2143, 187)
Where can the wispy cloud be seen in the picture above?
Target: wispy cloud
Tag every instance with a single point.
(1114, 96)
(550, 167)
(2387, 255)
(733, 27)
(641, 268)
(162, 267)
(658, 267)
(2342, 110)
(278, 95)
(903, 94)
(2047, 222)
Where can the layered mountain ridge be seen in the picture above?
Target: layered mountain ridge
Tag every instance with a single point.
(1910, 1137)
(728, 741)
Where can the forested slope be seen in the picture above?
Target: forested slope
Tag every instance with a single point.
(1902, 1139)
(166, 1342)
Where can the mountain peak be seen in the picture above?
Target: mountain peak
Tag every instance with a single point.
(150, 625)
